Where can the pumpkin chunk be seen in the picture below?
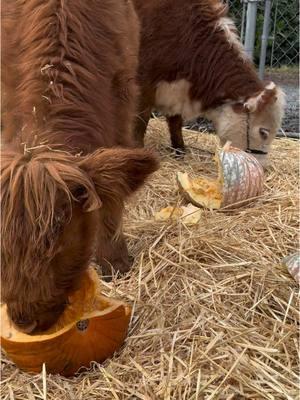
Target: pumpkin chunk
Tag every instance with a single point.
(189, 214)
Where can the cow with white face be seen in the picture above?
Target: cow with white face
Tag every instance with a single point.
(251, 125)
(199, 69)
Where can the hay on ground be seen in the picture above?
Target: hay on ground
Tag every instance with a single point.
(215, 314)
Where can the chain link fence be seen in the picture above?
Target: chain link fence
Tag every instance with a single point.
(274, 49)
(285, 43)
(283, 40)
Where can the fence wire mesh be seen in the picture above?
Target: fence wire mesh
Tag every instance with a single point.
(283, 42)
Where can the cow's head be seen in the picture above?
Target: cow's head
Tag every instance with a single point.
(251, 124)
(56, 208)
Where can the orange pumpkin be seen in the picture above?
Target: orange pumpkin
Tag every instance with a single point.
(91, 328)
(240, 178)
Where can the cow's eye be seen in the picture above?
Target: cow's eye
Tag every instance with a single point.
(264, 133)
(80, 193)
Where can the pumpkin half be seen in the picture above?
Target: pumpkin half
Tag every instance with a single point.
(240, 178)
(91, 328)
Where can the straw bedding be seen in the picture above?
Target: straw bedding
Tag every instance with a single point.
(215, 314)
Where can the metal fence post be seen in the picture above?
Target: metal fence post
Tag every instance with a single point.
(243, 22)
(264, 38)
(250, 27)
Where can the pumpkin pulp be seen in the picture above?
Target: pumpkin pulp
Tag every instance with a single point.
(201, 191)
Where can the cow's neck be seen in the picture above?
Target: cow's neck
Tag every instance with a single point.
(218, 72)
(228, 74)
(191, 98)
(231, 82)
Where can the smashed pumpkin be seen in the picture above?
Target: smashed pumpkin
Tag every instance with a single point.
(189, 214)
(240, 178)
(91, 328)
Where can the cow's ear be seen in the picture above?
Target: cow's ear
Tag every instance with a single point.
(266, 97)
(116, 173)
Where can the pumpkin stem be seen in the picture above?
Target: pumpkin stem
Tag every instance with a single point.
(227, 146)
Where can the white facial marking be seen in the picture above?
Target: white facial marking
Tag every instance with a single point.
(174, 98)
(229, 28)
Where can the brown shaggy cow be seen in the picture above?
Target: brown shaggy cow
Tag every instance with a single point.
(68, 72)
(192, 64)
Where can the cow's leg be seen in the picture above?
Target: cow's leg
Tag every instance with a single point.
(124, 85)
(175, 128)
(141, 123)
(145, 106)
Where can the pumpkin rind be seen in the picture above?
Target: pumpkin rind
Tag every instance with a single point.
(241, 176)
(94, 337)
(240, 179)
(292, 262)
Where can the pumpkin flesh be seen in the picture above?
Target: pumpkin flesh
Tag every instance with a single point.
(190, 215)
(92, 328)
(200, 191)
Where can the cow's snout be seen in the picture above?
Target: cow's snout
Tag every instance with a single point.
(25, 326)
(263, 160)
(38, 321)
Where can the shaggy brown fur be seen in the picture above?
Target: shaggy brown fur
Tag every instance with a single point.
(66, 83)
(193, 41)
(69, 79)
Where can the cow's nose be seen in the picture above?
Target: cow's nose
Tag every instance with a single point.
(25, 326)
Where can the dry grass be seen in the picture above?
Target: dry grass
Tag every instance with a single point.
(215, 314)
